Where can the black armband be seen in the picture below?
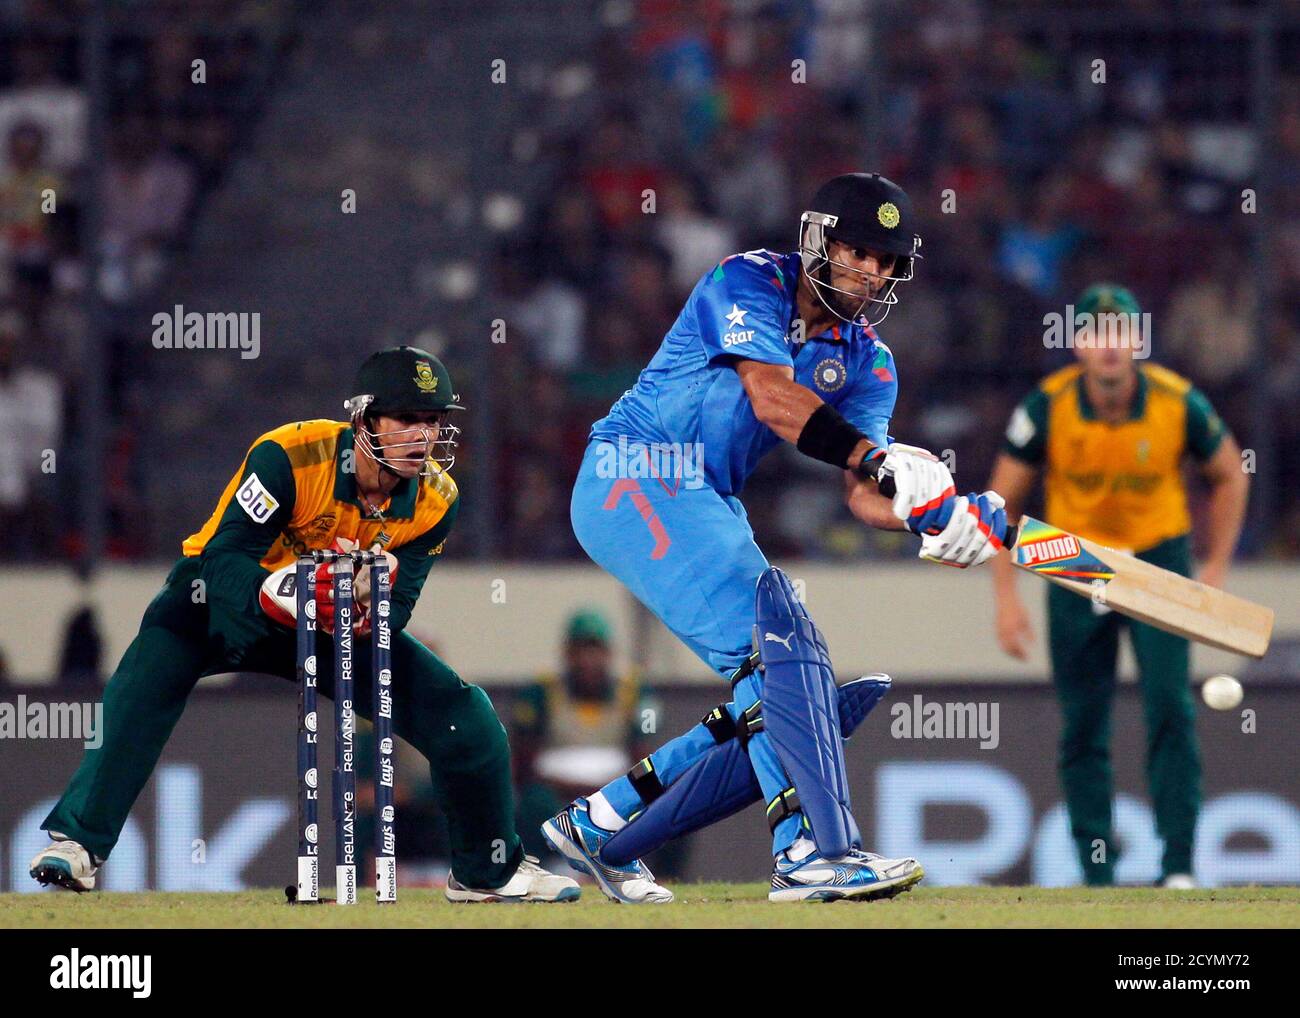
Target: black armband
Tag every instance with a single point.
(829, 437)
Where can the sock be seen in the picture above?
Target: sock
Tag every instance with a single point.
(603, 814)
(801, 849)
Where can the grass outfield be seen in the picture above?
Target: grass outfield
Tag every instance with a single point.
(697, 905)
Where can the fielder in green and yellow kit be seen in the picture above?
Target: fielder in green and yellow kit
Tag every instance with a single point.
(379, 481)
(1109, 436)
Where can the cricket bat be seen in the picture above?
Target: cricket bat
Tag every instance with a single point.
(1140, 590)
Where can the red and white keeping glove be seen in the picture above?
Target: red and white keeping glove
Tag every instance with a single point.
(279, 598)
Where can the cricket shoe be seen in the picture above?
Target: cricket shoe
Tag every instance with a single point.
(575, 836)
(65, 863)
(801, 873)
(530, 883)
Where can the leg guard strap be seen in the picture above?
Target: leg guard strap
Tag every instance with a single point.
(784, 805)
(751, 723)
(747, 668)
(720, 724)
(645, 782)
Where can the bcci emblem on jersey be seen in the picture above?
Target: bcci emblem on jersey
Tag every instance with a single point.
(829, 375)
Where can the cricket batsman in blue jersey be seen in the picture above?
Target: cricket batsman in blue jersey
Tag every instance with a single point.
(769, 348)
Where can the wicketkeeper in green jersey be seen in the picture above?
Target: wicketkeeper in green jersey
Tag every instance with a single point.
(378, 481)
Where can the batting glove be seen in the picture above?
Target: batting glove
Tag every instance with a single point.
(973, 535)
(924, 492)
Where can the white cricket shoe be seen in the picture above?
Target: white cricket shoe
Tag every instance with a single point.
(1179, 882)
(801, 873)
(65, 863)
(530, 883)
(578, 838)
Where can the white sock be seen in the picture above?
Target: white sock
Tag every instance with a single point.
(603, 814)
(801, 849)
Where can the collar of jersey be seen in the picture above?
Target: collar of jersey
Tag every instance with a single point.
(1135, 410)
(401, 503)
(788, 270)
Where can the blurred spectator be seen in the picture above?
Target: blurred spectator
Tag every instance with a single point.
(38, 96)
(30, 415)
(618, 173)
(540, 522)
(147, 193)
(1035, 247)
(26, 220)
(616, 360)
(640, 280)
(691, 237)
(548, 311)
(750, 189)
(571, 240)
(81, 655)
(1209, 327)
(574, 731)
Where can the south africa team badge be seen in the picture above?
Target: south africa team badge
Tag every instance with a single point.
(829, 375)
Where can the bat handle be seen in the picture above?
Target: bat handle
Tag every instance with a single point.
(887, 488)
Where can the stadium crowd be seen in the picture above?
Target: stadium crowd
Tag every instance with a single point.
(701, 129)
(167, 144)
(1033, 178)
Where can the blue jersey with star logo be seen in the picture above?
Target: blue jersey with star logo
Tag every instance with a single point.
(743, 310)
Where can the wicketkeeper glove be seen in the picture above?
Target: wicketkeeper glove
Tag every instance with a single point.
(279, 599)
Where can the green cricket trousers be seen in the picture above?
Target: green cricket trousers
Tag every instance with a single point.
(1084, 649)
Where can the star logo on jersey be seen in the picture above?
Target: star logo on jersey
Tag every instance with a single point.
(738, 334)
(829, 375)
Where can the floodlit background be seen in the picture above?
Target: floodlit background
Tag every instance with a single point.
(536, 187)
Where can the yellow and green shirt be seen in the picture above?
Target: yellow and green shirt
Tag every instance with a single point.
(296, 491)
(1119, 484)
(549, 711)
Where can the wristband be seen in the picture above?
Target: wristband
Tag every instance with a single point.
(829, 437)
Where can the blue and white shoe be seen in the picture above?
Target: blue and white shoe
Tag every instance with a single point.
(575, 836)
(801, 873)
